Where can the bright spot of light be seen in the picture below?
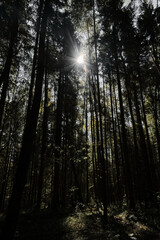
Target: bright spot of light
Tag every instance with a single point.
(80, 59)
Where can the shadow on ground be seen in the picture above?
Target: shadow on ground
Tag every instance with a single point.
(85, 224)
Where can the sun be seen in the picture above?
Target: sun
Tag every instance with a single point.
(80, 59)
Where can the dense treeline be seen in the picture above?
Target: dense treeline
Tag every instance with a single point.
(78, 132)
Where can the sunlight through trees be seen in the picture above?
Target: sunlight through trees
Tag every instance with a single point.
(79, 108)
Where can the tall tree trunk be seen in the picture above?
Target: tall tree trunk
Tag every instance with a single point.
(93, 142)
(87, 165)
(105, 141)
(117, 160)
(156, 122)
(102, 162)
(128, 180)
(149, 147)
(65, 164)
(92, 108)
(118, 130)
(144, 154)
(28, 138)
(30, 99)
(58, 135)
(5, 172)
(44, 143)
(139, 191)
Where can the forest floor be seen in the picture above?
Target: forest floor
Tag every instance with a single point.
(87, 224)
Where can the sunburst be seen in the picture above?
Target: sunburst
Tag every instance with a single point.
(80, 59)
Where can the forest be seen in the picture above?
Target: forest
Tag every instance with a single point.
(79, 119)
